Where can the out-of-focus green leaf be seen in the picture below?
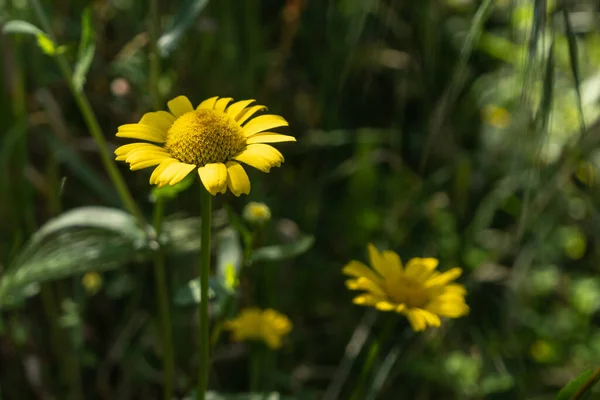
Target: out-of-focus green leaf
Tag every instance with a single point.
(283, 251)
(87, 48)
(81, 240)
(186, 15)
(241, 396)
(170, 192)
(181, 235)
(190, 293)
(573, 386)
(18, 26)
(229, 257)
(46, 44)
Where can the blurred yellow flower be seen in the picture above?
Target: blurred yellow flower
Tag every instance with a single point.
(542, 351)
(498, 117)
(268, 326)
(213, 138)
(256, 213)
(419, 292)
(92, 282)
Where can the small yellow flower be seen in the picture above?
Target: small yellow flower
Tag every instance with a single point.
(213, 138)
(417, 290)
(498, 117)
(268, 326)
(92, 282)
(256, 213)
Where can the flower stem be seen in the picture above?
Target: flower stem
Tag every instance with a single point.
(583, 390)
(91, 121)
(203, 365)
(162, 297)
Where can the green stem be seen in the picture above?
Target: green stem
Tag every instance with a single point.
(153, 57)
(162, 298)
(255, 367)
(203, 366)
(91, 121)
(583, 390)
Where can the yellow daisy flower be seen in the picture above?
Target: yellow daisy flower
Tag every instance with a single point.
(417, 290)
(268, 326)
(213, 138)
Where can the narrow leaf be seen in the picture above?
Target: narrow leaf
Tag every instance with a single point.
(18, 26)
(283, 251)
(567, 392)
(574, 62)
(87, 48)
(187, 14)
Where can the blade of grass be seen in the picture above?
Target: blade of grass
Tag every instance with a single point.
(458, 77)
(574, 62)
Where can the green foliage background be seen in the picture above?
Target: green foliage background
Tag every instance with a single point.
(458, 129)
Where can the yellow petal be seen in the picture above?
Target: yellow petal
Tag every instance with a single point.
(141, 132)
(263, 123)
(221, 104)
(214, 177)
(154, 178)
(180, 105)
(249, 112)
(235, 109)
(160, 119)
(145, 163)
(421, 268)
(269, 137)
(393, 261)
(237, 179)
(385, 306)
(370, 286)
(123, 151)
(444, 278)
(379, 264)
(260, 156)
(208, 104)
(184, 170)
(430, 318)
(358, 269)
(416, 319)
(173, 171)
(367, 300)
(142, 154)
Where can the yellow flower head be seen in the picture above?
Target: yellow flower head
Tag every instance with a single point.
(498, 117)
(256, 213)
(416, 290)
(268, 326)
(92, 282)
(211, 138)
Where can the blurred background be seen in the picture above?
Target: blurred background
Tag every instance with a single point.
(463, 130)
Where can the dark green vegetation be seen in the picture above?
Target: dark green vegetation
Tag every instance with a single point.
(462, 130)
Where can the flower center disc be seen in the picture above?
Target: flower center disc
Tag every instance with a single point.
(203, 137)
(410, 292)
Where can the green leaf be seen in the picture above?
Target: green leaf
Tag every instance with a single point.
(229, 258)
(170, 192)
(283, 251)
(46, 44)
(181, 236)
(78, 241)
(190, 293)
(18, 26)
(576, 384)
(87, 48)
(187, 15)
(241, 396)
